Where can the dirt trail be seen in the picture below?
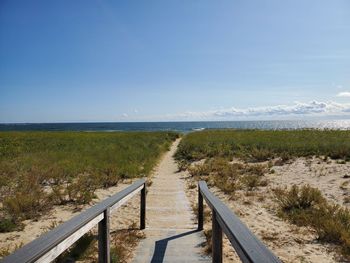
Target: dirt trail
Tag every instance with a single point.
(171, 234)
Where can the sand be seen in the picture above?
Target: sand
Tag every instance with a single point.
(121, 219)
(289, 242)
(331, 177)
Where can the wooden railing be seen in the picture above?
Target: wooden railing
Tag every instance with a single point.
(248, 247)
(50, 245)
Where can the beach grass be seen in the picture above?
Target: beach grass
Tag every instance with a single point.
(39, 169)
(262, 145)
(306, 206)
(209, 155)
(218, 147)
(229, 177)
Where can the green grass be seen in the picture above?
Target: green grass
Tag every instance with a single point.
(303, 206)
(38, 169)
(258, 145)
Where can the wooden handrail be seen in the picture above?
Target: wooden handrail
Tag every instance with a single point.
(50, 245)
(248, 247)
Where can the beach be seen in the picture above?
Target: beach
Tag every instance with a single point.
(258, 210)
(244, 177)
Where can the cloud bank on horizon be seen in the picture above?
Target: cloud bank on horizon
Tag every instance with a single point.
(295, 110)
(343, 94)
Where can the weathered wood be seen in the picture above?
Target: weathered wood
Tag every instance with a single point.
(216, 239)
(125, 199)
(65, 244)
(200, 210)
(104, 239)
(143, 208)
(248, 247)
(49, 241)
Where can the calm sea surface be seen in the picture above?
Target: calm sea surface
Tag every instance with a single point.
(177, 126)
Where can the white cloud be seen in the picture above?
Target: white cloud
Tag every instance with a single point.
(312, 108)
(344, 94)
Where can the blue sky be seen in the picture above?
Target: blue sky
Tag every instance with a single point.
(173, 60)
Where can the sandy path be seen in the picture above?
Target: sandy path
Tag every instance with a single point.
(170, 231)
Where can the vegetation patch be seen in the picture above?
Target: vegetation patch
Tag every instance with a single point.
(235, 160)
(260, 145)
(8, 225)
(230, 177)
(39, 169)
(305, 206)
(86, 248)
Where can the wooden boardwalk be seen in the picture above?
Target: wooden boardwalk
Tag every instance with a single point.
(171, 234)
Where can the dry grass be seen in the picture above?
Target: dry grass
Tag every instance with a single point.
(5, 251)
(208, 233)
(86, 248)
(305, 206)
(230, 177)
(122, 243)
(267, 236)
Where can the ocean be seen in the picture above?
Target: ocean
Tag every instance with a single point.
(178, 126)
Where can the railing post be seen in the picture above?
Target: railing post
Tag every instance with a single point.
(216, 239)
(104, 239)
(200, 210)
(143, 208)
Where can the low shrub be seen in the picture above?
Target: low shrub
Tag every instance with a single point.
(305, 206)
(28, 200)
(199, 170)
(260, 155)
(251, 181)
(258, 169)
(228, 185)
(296, 198)
(8, 225)
(230, 177)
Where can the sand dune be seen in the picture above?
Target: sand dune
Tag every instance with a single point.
(258, 210)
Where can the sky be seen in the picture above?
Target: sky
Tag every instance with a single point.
(76, 61)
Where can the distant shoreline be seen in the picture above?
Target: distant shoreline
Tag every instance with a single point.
(179, 126)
